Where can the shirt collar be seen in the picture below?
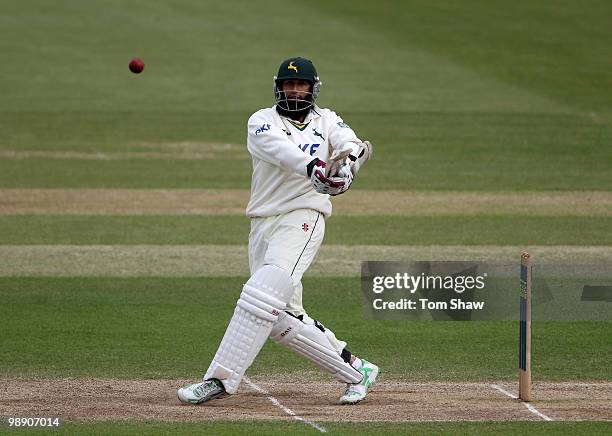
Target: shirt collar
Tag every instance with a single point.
(315, 112)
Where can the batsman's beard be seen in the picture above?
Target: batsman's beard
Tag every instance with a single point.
(293, 107)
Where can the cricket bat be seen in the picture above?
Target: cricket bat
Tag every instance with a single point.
(336, 160)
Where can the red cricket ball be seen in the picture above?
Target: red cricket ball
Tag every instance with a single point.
(136, 65)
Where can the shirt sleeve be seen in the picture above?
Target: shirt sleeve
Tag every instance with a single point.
(341, 136)
(269, 143)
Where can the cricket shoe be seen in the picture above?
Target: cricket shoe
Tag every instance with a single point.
(201, 392)
(356, 392)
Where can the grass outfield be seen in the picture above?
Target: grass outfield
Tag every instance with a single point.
(364, 230)
(443, 115)
(170, 328)
(474, 98)
(447, 151)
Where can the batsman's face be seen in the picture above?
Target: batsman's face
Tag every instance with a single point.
(296, 89)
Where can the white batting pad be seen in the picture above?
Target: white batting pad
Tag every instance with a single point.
(263, 297)
(310, 342)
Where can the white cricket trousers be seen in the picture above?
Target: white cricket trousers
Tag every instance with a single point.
(290, 241)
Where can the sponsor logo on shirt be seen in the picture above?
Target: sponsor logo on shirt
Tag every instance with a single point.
(311, 151)
(262, 129)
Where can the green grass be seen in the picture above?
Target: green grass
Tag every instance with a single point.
(477, 96)
(550, 48)
(440, 150)
(136, 328)
(135, 173)
(126, 129)
(368, 230)
(292, 427)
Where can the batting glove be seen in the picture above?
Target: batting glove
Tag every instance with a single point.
(333, 184)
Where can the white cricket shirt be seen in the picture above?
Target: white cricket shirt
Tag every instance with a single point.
(281, 149)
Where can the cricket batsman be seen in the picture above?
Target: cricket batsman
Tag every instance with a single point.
(302, 154)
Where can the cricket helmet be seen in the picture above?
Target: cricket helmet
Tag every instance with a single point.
(297, 68)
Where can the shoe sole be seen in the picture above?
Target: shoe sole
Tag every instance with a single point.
(350, 403)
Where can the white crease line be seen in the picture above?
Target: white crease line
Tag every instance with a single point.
(527, 405)
(283, 408)
(503, 391)
(537, 412)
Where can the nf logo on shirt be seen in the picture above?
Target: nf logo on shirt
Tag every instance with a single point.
(305, 227)
(262, 129)
(313, 148)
